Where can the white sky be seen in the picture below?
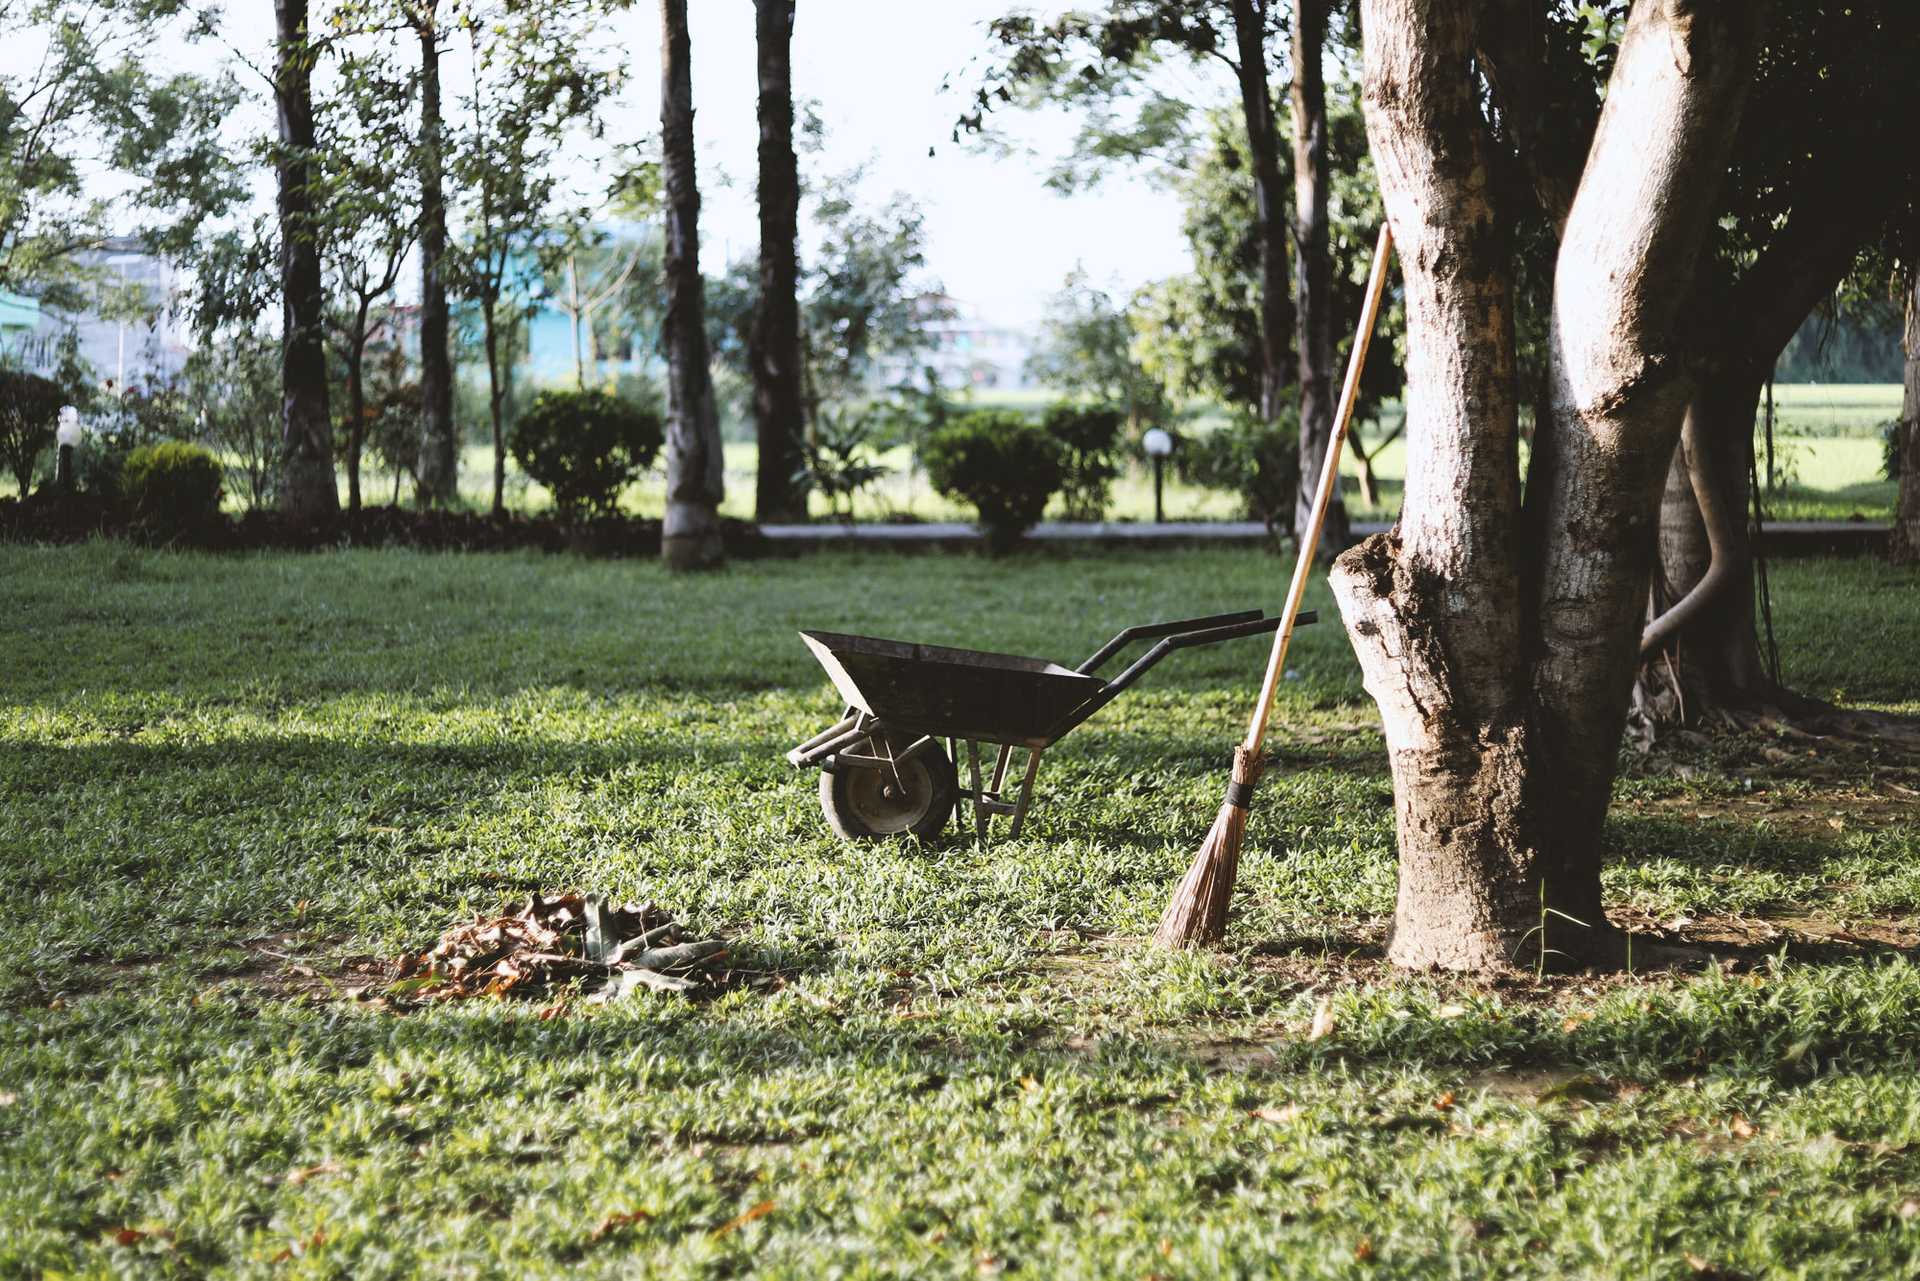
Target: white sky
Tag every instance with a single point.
(996, 237)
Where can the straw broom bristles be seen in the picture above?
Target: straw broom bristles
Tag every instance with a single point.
(1198, 912)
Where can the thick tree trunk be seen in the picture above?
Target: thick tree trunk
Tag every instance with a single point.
(1502, 675)
(690, 534)
(776, 322)
(1269, 201)
(439, 465)
(1313, 273)
(309, 490)
(1906, 522)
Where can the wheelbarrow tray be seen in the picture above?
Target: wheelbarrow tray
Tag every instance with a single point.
(952, 693)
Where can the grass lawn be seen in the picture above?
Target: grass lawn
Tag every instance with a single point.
(231, 781)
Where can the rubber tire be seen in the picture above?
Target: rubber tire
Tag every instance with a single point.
(837, 803)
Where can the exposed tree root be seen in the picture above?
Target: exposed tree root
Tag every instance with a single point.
(1663, 703)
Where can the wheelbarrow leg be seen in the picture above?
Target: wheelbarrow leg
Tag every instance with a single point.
(980, 815)
(1000, 769)
(1026, 791)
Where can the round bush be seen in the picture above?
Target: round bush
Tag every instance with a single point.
(172, 484)
(1005, 467)
(585, 446)
(1089, 437)
(1250, 457)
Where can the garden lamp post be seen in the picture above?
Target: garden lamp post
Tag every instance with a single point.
(66, 436)
(1158, 444)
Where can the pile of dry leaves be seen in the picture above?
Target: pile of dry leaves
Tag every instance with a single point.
(551, 942)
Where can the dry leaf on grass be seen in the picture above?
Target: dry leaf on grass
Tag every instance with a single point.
(1322, 1020)
(741, 1220)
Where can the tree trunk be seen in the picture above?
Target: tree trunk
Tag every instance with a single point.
(1906, 521)
(439, 465)
(1313, 274)
(1269, 201)
(1501, 642)
(496, 405)
(776, 322)
(690, 534)
(309, 491)
(356, 405)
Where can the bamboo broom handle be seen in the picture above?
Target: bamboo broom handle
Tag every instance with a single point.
(1323, 496)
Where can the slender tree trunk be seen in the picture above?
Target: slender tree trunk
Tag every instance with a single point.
(1501, 643)
(1906, 522)
(776, 322)
(1269, 201)
(690, 534)
(496, 404)
(439, 465)
(356, 406)
(1313, 273)
(310, 491)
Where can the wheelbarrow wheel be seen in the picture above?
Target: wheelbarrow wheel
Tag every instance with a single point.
(866, 804)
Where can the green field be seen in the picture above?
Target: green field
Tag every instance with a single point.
(232, 782)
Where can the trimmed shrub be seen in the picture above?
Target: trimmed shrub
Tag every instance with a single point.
(29, 416)
(585, 446)
(172, 485)
(1005, 467)
(1250, 457)
(1089, 437)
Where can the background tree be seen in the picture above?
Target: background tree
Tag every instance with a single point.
(1313, 269)
(774, 345)
(439, 472)
(90, 103)
(1500, 636)
(1086, 349)
(533, 84)
(308, 490)
(366, 213)
(690, 533)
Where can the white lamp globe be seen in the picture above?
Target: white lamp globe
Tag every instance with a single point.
(69, 430)
(1157, 442)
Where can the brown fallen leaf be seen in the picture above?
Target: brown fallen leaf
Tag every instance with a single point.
(1363, 1251)
(1444, 1102)
(1322, 1020)
(1277, 1116)
(1909, 1209)
(1741, 1127)
(297, 1177)
(741, 1220)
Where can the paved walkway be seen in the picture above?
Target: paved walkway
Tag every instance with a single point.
(1804, 537)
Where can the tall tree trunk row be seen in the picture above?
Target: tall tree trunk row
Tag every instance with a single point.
(1906, 521)
(775, 342)
(690, 532)
(309, 490)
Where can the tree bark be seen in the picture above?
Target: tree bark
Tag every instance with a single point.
(356, 404)
(1313, 274)
(1269, 201)
(439, 465)
(690, 533)
(775, 341)
(1905, 546)
(496, 404)
(1502, 675)
(309, 490)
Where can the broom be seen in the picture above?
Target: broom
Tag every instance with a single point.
(1198, 912)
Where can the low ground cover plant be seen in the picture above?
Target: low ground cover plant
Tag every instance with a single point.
(171, 484)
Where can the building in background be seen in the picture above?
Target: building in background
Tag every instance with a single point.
(128, 335)
(963, 348)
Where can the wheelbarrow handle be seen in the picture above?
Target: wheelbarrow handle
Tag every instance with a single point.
(1181, 640)
(1147, 631)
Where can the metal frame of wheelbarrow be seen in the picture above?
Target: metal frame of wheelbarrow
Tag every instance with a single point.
(837, 747)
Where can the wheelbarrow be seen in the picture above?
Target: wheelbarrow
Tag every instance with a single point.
(883, 769)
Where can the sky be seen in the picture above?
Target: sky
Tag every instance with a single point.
(997, 238)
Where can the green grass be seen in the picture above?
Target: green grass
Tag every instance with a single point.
(218, 769)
